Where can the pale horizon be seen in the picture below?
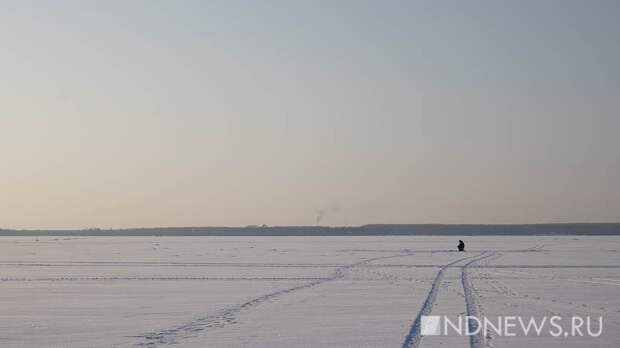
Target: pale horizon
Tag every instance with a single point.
(125, 114)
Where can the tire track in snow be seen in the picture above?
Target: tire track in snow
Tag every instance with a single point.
(228, 316)
(220, 319)
(414, 336)
(475, 341)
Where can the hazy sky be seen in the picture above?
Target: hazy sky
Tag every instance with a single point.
(185, 113)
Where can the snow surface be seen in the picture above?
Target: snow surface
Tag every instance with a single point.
(298, 291)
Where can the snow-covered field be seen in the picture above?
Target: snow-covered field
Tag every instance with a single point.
(298, 291)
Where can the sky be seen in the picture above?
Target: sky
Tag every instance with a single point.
(231, 113)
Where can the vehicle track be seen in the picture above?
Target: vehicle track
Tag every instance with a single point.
(472, 308)
(414, 336)
(222, 318)
(228, 315)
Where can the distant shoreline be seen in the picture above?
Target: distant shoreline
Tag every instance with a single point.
(572, 229)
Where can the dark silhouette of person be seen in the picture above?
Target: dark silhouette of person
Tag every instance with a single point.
(461, 245)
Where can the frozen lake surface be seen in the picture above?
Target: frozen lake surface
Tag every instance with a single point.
(299, 291)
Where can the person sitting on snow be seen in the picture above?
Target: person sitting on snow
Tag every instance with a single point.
(461, 245)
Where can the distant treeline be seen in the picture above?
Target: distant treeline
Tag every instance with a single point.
(589, 229)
